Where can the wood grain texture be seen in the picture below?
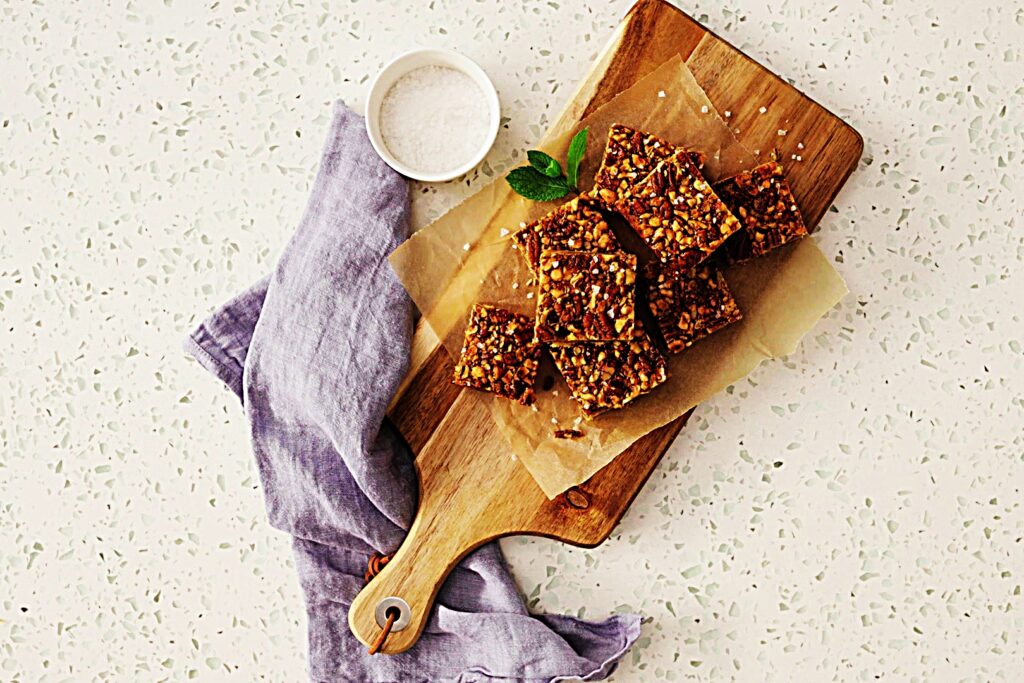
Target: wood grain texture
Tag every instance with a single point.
(471, 489)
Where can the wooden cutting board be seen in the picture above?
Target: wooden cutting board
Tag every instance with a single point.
(471, 489)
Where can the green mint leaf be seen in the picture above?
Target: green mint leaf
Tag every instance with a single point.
(544, 163)
(572, 162)
(532, 184)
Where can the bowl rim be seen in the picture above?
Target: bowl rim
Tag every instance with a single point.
(394, 70)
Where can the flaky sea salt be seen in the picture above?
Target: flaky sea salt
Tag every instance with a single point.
(434, 119)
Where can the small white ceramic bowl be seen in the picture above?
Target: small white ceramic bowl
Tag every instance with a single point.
(415, 59)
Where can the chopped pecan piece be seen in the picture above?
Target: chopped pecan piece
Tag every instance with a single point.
(764, 203)
(568, 434)
(689, 306)
(628, 157)
(677, 213)
(499, 354)
(585, 296)
(607, 375)
(577, 225)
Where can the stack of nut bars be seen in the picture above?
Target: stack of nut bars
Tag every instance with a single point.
(586, 283)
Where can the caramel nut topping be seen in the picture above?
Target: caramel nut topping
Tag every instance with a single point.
(629, 156)
(678, 215)
(585, 296)
(608, 375)
(499, 354)
(577, 225)
(764, 203)
(689, 306)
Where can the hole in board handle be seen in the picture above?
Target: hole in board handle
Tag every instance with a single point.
(380, 613)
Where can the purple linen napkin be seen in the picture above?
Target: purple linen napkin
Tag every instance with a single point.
(316, 351)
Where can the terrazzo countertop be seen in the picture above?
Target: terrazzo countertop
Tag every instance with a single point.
(852, 512)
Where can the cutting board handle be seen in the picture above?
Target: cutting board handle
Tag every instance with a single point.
(457, 486)
(410, 580)
(472, 491)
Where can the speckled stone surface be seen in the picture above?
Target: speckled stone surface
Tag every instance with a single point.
(851, 513)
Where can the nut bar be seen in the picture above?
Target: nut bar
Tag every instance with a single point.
(585, 296)
(677, 213)
(499, 354)
(628, 157)
(607, 375)
(764, 204)
(576, 225)
(689, 306)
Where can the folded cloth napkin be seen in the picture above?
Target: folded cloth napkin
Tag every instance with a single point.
(316, 351)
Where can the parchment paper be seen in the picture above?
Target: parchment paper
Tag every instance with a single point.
(466, 257)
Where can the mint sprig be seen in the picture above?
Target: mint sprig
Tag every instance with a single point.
(543, 180)
(532, 184)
